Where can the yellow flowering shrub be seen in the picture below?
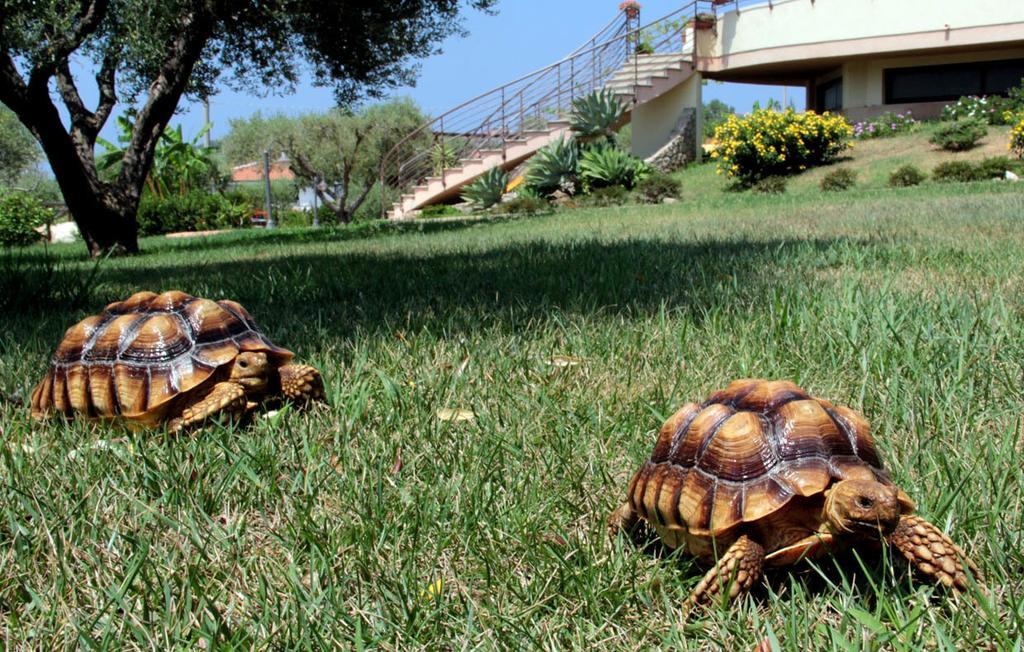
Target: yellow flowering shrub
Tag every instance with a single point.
(767, 143)
(1017, 137)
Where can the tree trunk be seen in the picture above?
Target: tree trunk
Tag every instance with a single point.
(105, 214)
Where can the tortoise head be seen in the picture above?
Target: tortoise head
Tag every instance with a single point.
(864, 508)
(252, 370)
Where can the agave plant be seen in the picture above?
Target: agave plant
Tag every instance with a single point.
(488, 189)
(555, 167)
(596, 116)
(606, 166)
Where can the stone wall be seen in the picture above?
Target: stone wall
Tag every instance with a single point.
(681, 147)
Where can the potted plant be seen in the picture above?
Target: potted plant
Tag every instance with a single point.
(704, 21)
(631, 7)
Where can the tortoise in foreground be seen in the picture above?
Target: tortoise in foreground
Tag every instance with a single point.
(170, 358)
(762, 474)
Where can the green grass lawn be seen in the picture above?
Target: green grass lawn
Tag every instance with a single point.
(372, 522)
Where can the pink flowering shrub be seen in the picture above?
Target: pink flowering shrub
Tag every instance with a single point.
(885, 125)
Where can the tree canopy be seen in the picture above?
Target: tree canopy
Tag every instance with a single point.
(18, 149)
(149, 53)
(339, 150)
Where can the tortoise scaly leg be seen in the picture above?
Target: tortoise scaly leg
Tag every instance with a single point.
(933, 554)
(301, 383)
(736, 571)
(227, 398)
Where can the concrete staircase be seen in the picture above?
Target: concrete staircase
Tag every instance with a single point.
(523, 116)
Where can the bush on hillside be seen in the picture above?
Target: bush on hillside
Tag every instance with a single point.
(960, 171)
(906, 176)
(885, 125)
(657, 187)
(960, 135)
(1017, 138)
(989, 109)
(20, 215)
(995, 167)
(838, 180)
(193, 211)
(522, 205)
(767, 143)
(607, 196)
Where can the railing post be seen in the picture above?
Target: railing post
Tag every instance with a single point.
(443, 156)
(522, 115)
(572, 80)
(504, 129)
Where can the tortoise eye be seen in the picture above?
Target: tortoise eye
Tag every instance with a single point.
(243, 364)
(865, 502)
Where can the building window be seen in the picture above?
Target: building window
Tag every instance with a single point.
(950, 82)
(830, 95)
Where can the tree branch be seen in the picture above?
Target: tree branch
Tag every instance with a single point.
(195, 29)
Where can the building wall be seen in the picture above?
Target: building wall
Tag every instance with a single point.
(790, 24)
(655, 121)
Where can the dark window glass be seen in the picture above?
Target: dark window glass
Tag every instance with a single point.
(830, 95)
(950, 82)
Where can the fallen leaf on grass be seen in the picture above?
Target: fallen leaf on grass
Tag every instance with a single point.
(450, 414)
(564, 361)
(433, 590)
(117, 446)
(397, 466)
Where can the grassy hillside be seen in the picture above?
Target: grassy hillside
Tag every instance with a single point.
(378, 521)
(872, 160)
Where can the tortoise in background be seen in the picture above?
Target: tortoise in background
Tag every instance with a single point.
(762, 474)
(170, 358)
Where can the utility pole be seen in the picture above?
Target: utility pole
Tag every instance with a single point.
(206, 121)
(266, 190)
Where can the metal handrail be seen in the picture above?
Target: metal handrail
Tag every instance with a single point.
(489, 122)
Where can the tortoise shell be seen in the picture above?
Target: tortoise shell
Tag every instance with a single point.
(139, 354)
(747, 452)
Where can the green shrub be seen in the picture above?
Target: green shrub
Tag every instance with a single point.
(193, 211)
(488, 189)
(767, 143)
(990, 109)
(960, 171)
(838, 180)
(604, 197)
(294, 218)
(555, 167)
(906, 176)
(20, 215)
(440, 210)
(959, 135)
(885, 125)
(596, 115)
(601, 167)
(657, 186)
(522, 205)
(771, 185)
(996, 167)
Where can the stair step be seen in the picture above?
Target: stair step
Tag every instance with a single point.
(559, 124)
(466, 162)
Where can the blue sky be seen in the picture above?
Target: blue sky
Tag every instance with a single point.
(523, 36)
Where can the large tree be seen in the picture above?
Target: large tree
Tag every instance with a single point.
(337, 152)
(154, 51)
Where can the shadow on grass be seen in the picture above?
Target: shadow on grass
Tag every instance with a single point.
(514, 287)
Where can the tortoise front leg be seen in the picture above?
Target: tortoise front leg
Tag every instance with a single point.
(301, 383)
(933, 554)
(737, 570)
(224, 398)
